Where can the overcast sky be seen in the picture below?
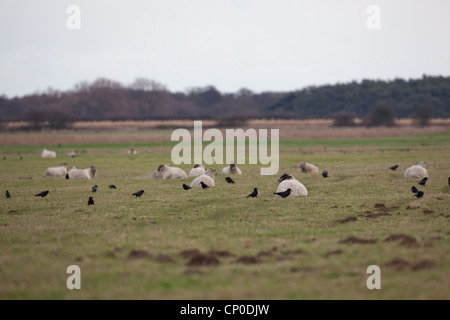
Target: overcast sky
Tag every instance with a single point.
(262, 45)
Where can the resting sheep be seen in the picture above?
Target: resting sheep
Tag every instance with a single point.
(47, 154)
(307, 167)
(85, 174)
(198, 170)
(73, 153)
(417, 171)
(297, 188)
(56, 171)
(132, 151)
(169, 172)
(231, 169)
(207, 178)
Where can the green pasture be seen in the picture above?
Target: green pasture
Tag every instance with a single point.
(263, 248)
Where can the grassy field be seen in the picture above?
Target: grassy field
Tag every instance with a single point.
(217, 244)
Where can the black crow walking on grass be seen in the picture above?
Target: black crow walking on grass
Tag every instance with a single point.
(43, 194)
(139, 193)
(8, 195)
(111, 186)
(91, 201)
(94, 188)
(229, 180)
(419, 194)
(414, 189)
(67, 176)
(186, 187)
(393, 168)
(423, 181)
(204, 185)
(284, 194)
(254, 194)
(325, 174)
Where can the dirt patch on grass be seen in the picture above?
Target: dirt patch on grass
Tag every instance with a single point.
(402, 239)
(346, 220)
(301, 269)
(412, 207)
(220, 253)
(203, 260)
(333, 252)
(248, 260)
(294, 252)
(355, 240)
(138, 254)
(427, 212)
(188, 254)
(372, 215)
(269, 252)
(401, 265)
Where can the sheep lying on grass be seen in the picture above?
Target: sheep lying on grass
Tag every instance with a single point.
(132, 151)
(198, 170)
(417, 171)
(231, 169)
(169, 172)
(60, 171)
(73, 153)
(207, 178)
(307, 167)
(85, 174)
(47, 154)
(297, 188)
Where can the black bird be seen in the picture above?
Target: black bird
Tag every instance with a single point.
(284, 194)
(111, 186)
(423, 181)
(325, 174)
(8, 195)
(43, 194)
(204, 185)
(94, 188)
(254, 194)
(67, 176)
(139, 193)
(91, 201)
(449, 181)
(186, 187)
(419, 194)
(414, 189)
(229, 180)
(393, 168)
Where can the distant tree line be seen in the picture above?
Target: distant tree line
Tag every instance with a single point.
(145, 99)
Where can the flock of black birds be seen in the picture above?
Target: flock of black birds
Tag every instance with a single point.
(418, 193)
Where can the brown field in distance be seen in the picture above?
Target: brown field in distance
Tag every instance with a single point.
(160, 130)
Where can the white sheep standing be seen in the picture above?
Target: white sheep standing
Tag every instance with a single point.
(417, 171)
(83, 174)
(231, 169)
(297, 188)
(60, 171)
(169, 172)
(47, 154)
(307, 167)
(207, 178)
(198, 170)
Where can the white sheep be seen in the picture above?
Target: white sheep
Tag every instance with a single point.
(47, 154)
(73, 153)
(156, 174)
(85, 174)
(297, 188)
(231, 169)
(417, 171)
(60, 171)
(169, 172)
(207, 178)
(132, 151)
(198, 170)
(307, 167)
